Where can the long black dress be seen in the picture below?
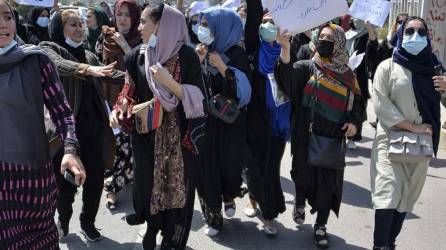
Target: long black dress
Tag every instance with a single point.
(322, 187)
(222, 161)
(144, 146)
(265, 150)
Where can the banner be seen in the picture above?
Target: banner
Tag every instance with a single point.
(298, 16)
(374, 11)
(41, 3)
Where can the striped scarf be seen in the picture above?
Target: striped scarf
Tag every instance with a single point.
(331, 95)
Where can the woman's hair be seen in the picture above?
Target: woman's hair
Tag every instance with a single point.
(242, 6)
(9, 7)
(66, 14)
(155, 11)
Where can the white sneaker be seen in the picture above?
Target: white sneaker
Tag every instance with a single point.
(230, 209)
(269, 228)
(210, 231)
(250, 209)
(351, 144)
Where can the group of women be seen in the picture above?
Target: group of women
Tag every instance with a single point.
(194, 101)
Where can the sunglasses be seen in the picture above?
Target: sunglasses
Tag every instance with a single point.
(410, 31)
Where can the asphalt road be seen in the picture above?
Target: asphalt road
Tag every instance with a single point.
(424, 229)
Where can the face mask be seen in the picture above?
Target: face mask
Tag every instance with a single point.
(244, 22)
(8, 47)
(204, 35)
(268, 32)
(414, 44)
(43, 21)
(195, 28)
(325, 48)
(152, 41)
(72, 43)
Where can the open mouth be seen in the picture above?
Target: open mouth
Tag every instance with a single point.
(4, 35)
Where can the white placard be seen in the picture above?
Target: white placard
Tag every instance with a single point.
(278, 95)
(231, 4)
(41, 3)
(298, 16)
(374, 11)
(355, 60)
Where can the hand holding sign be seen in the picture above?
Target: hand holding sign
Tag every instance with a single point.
(298, 16)
(375, 11)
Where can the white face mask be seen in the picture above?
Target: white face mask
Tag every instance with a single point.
(8, 47)
(72, 43)
(204, 35)
(153, 40)
(43, 21)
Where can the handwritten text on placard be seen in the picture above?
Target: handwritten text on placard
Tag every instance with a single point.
(41, 3)
(375, 11)
(298, 16)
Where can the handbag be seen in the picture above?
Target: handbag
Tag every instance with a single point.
(148, 116)
(408, 147)
(325, 152)
(219, 106)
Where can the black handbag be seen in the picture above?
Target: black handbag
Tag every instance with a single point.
(325, 152)
(219, 106)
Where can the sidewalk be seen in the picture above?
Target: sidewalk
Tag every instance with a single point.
(442, 146)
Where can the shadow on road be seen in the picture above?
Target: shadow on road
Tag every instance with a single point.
(356, 196)
(438, 163)
(75, 242)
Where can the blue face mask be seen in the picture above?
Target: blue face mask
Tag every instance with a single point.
(268, 32)
(414, 44)
(43, 21)
(195, 28)
(8, 47)
(243, 22)
(153, 41)
(204, 35)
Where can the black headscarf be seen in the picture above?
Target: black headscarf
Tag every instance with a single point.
(57, 36)
(36, 33)
(192, 35)
(93, 35)
(422, 67)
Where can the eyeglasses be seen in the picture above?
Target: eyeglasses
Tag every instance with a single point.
(410, 31)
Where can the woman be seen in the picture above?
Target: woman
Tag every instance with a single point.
(268, 120)
(192, 20)
(332, 108)
(405, 99)
(37, 26)
(31, 81)
(80, 76)
(106, 8)
(163, 192)
(116, 43)
(362, 38)
(96, 18)
(227, 73)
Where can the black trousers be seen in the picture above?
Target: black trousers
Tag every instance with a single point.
(264, 179)
(89, 134)
(388, 224)
(322, 214)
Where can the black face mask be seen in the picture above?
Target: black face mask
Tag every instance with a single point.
(325, 48)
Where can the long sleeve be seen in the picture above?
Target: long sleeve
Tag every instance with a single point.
(57, 104)
(66, 68)
(355, 117)
(292, 78)
(192, 84)
(253, 21)
(388, 114)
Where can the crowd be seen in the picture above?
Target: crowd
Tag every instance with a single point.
(198, 103)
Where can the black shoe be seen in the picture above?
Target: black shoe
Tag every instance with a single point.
(321, 237)
(149, 240)
(166, 246)
(380, 248)
(62, 228)
(134, 220)
(90, 232)
(299, 214)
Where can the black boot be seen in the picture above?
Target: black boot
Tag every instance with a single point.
(149, 240)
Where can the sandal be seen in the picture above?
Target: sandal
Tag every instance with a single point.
(110, 201)
(321, 237)
(299, 214)
(269, 228)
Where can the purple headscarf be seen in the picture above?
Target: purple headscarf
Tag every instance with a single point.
(172, 34)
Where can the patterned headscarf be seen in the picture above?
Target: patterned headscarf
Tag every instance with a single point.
(338, 63)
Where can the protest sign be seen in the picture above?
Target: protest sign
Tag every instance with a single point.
(41, 3)
(298, 16)
(374, 11)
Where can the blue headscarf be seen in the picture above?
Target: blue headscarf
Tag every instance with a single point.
(226, 27)
(279, 115)
(422, 67)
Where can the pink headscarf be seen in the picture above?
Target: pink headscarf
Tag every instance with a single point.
(172, 35)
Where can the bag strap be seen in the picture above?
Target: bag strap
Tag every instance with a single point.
(313, 102)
